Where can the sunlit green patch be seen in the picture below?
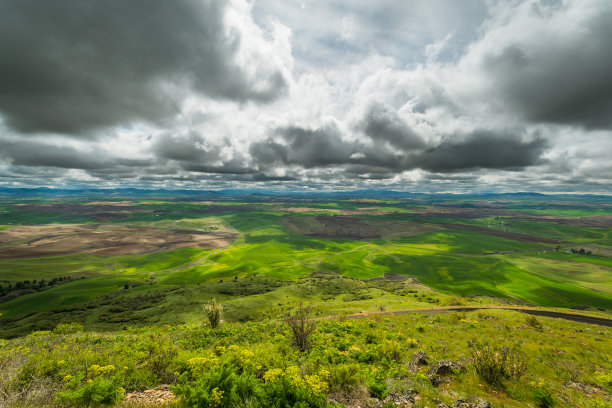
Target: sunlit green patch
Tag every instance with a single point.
(66, 294)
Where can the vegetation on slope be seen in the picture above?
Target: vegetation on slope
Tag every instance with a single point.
(355, 362)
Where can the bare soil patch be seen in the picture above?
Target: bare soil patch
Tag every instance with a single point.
(466, 213)
(98, 211)
(344, 227)
(44, 240)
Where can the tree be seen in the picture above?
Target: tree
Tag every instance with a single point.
(302, 326)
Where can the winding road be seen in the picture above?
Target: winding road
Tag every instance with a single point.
(600, 321)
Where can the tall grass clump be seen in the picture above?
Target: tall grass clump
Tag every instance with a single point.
(495, 365)
(214, 313)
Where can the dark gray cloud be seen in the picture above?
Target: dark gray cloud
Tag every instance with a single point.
(304, 147)
(562, 78)
(324, 147)
(70, 66)
(29, 153)
(381, 123)
(482, 149)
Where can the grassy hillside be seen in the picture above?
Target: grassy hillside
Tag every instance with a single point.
(359, 362)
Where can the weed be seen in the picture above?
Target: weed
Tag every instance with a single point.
(214, 313)
(495, 365)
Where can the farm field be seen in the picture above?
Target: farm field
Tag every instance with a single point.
(157, 260)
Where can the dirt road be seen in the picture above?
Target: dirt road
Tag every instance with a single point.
(600, 321)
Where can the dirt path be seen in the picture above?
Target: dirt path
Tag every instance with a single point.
(600, 321)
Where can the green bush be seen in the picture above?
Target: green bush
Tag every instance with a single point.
(214, 313)
(377, 385)
(99, 391)
(494, 366)
(68, 328)
(223, 387)
(533, 321)
(542, 397)
(345, 377)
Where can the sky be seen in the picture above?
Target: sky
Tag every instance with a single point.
(307, 95)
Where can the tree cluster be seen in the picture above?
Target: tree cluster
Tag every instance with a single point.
(26, 286)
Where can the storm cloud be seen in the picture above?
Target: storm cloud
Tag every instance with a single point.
(382, 123)
(70, 66)
(325, 147)
(550, 63)
(482, 150)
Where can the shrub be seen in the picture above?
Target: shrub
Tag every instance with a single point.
(377, 385)
(391, 350)
(68, 328)
(571, 369)
(91, 392)
(453, 301)
(496, 365)
(214, 313)
(302, 327)
(604, 379)
(160, 355)
(533, 321)
(222, 387)
(345, 377)
(543, 397)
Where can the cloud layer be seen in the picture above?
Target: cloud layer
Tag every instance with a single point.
(424, 95)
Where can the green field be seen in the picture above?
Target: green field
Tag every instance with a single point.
(416, 240)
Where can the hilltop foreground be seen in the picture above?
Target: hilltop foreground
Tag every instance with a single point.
(484, 358)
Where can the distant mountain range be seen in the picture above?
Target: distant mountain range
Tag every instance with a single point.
(45, 192)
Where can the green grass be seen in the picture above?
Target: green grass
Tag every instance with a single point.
(65, 295)
(594, 276)
(496, 276)
(567, 212)
(19, 269)
(468, 242)
(160, 261)
(87, 265)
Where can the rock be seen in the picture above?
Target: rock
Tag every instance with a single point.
(582, 387)
(418, 359)
(374, 403)
(405, 400)
(155, 396)
(438, 373)
(472, 403)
